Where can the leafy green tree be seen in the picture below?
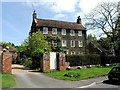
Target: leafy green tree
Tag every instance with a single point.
(33, 47)
(8, 44)
(90, 37)
(104, 18)
(36, 42)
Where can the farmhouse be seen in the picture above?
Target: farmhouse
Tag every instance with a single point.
(70, 35)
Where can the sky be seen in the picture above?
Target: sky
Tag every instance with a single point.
(16, 15)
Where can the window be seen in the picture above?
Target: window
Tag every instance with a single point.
(54, 30)
(79, 33)
(80, 44)
(63, 31)
(63, 43)
(67, 52)
(73, 52)
(54, 44)
(72, 32)
(45, 30)
(72, 43)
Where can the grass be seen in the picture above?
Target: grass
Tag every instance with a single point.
(84, 73)
(7, 80)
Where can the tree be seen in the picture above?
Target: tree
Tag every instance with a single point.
(104, 18)
(8, 44)
(90, 37)
(35, 42)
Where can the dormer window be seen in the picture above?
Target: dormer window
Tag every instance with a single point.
(54, 30)
(72, 33)
(45, 30)
(79, 33)
(63, 32)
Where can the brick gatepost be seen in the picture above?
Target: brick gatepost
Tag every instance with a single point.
(45, 62)
(6, 62)
(62, 64)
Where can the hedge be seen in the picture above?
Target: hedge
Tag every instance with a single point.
(78, 60)
(110, 59)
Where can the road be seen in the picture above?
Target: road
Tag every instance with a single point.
(32, 79)
(106, 84)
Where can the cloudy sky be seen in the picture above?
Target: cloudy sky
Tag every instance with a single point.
(16, 15)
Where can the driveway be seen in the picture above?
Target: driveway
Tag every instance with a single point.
(31, 79)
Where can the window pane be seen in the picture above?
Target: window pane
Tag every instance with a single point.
(72, 32)
(63, 43)
(73, 52)
(45, 30)
(80, 43)
(72, 43)
(63, 31)
(79, 33)
(54, 30)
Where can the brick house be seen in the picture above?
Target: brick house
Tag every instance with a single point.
(70, 35)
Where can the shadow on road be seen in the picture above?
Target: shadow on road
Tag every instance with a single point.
(111, 82)
(34, 71)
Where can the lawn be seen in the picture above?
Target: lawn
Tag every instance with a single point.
(79, 74)
(7, 80)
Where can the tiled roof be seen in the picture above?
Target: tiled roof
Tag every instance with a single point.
(12, 49)
(59, 24)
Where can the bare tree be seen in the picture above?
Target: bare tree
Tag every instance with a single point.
(105, 18)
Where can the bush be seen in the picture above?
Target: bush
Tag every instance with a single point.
(109, 60)
(78, 60)
(72, 74)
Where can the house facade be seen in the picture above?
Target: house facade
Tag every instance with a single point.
(70, 35)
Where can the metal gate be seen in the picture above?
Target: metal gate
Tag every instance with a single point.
(53, 60)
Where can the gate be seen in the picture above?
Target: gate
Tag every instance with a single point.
(53, 60)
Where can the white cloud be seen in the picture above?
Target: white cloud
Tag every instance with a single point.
(60, 16)
(87, 5)
(55, 5)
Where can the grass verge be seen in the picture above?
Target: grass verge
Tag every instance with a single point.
(84, 73)
(7, 80)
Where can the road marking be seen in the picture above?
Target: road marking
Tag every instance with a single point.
(87, 85)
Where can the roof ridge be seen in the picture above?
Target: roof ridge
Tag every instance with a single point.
(57, 20)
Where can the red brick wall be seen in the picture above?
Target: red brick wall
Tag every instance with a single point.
(62, 65)
(45, 64)
(7, 62)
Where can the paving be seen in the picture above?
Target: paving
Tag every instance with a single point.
(31, 79)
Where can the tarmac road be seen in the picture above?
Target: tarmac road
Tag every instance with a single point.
(29, 79)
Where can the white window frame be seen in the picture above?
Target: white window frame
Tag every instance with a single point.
(72, 43)
(54, 31)
(67, 51)
(79, 33)
(80, 43)
(72, 32)
(64, 43)
(63, 32)
(54, 44)
(72, 52)
(45, 30)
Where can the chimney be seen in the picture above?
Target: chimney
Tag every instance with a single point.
(34, 15)
(79, 20)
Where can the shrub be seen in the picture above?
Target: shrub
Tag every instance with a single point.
(78, 60)
(72, 74)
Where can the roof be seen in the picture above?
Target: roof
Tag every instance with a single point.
(59, 24)
(100, 48)
(12, 49)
